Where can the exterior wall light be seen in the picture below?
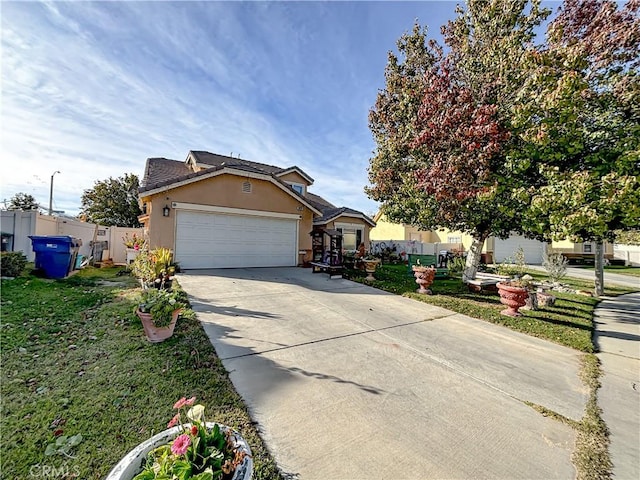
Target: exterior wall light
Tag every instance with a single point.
(165, 211)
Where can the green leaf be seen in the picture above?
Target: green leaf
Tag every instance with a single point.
(182, 469)
(203, 476)
(51, 450)
(146, 475)
(75, 440)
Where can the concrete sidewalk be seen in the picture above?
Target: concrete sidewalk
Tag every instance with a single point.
(617, 337)
(349, 382)
(586, 274)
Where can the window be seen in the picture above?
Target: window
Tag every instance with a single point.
(298, 187)
(452, 239)
(586, 248)
(352, 236)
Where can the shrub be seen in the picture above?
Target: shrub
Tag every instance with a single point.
(555, 264)
(13, 264)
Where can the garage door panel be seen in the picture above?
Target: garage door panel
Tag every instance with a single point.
(213, 240)
(505, 249)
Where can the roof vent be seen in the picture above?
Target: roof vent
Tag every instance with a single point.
(246, 187)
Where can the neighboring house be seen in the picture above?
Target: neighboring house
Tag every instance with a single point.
(495, 249)
(216, 211)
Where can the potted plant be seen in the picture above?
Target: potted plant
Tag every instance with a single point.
(158, 311)
(133, 245)
(513, 294)
(370, 265)
(154, 268)
(424, 277)
(196, 450)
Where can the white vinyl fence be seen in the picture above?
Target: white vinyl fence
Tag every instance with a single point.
(405, 247)
(17, 226)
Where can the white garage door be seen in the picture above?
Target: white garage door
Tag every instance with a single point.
(215, 240)
(533, 249)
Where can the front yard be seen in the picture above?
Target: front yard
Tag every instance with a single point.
(568, 323)
(75, 361)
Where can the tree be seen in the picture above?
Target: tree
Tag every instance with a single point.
(444, 150)
(113, 202)
(23, 201)
(582, 118)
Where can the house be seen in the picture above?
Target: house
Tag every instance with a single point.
(217, 211)
(494, 250)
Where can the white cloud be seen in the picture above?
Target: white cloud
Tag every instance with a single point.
(94, 88)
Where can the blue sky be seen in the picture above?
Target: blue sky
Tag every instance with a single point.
(93, 89)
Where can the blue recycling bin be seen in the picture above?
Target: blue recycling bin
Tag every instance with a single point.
(55, 255)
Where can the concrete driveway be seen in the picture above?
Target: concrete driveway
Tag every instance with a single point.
(349, 382)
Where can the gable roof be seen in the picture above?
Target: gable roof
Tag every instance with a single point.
(216, 160)
(331, 214)
(163, 174)
(318, 202)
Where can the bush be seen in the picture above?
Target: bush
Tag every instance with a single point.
(556, 265)
(13, 264)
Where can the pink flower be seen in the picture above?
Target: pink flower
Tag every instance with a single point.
(174, 420)
(180, 444)
(191, 401)
(136, 247)
(180, 403)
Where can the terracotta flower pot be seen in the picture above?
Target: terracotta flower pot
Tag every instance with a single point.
(370, 267)
(133, 462)
(157, 334)
(513, 297)
(424, 278)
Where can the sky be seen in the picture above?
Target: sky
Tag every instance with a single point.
(93, 89)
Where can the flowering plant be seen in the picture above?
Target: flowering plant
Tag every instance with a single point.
(161, 304)
(136, 242)
(200, 451)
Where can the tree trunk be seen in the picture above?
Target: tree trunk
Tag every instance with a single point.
(473, 258)
(599, 268)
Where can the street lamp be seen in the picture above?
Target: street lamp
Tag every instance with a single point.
(51, 194)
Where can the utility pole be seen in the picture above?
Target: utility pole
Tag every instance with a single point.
(51, 193)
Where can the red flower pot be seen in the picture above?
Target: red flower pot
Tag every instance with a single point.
(513, 297)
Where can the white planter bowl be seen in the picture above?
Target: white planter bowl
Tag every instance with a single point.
(133, 462)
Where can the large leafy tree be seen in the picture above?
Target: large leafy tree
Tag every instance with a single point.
(113, 202)
(580, 114)
(444, 150)
(23, 201)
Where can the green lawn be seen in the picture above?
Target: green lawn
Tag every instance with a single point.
(75, 361)
(568, 323)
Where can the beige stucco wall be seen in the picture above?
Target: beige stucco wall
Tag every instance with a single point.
(223, 191)
(294, 177)
(366, 234)
(387, 231)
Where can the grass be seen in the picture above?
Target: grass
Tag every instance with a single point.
(75, 360)
(568, 322)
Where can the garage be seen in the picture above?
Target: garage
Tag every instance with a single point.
(220, 240)
(533, 249)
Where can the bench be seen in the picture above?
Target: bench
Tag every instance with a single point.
(332, 270)
(487, 282)
(427, 261)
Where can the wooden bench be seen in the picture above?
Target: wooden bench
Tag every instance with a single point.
(427, 261)
(487, 282)
(332, 270)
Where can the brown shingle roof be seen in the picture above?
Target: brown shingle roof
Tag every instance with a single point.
(216, 160)
(159, 170)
